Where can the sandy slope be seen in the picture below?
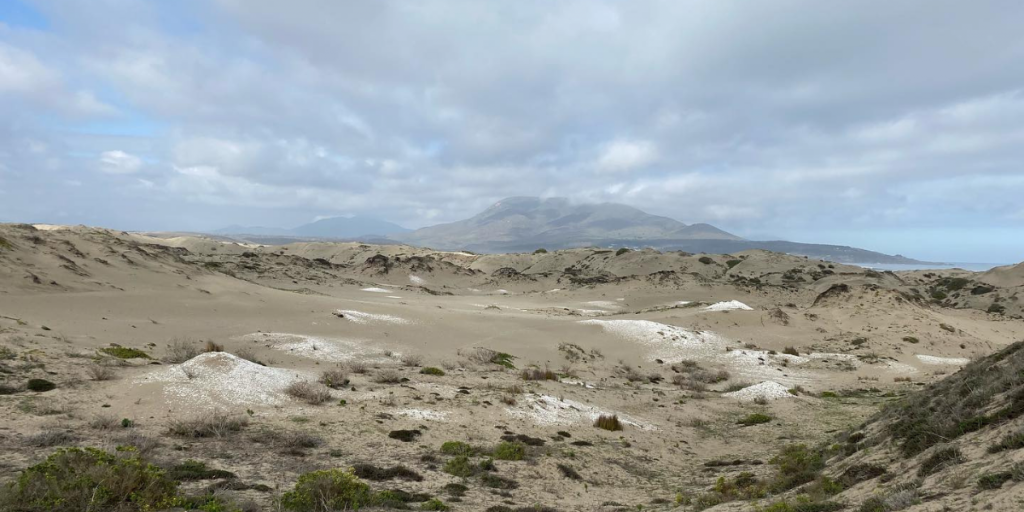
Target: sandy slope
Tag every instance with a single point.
(299, 309)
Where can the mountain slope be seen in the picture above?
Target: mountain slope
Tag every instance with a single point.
(557, 221)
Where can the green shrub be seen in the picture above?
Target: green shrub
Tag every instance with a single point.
(538, 251)
(497, 482)
(510, 451)
(996, 309)
(796, 465)
(5, 244)
(460, 466)
(327, 490)
(622, 251)
(990, 481)
(754, 419)
(940, 459)
(705, 260)
(125, 353)
(77, 479)
(911, 339)
(456, 448)
(607, 422)
(733, 263)
(1013, 441)
(434, 503)
(430, 370)
(40, 385)
(939, 295)
(503, 359)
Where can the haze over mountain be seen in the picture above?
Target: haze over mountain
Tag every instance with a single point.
(333, 227)
(518, 224)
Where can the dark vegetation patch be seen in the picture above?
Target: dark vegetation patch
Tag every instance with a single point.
(406, 436)
(371, 472)
(124, 352)
(754, 419)
(192, 470)
(40, 385)
(523, 438)
(608, 422)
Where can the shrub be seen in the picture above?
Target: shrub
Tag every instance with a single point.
(74, 479)
(990, 481)
(387, 377)
(181, 350)
(325, 491)
(942, 457)
(622, 251)
(1014, 441)
(911, 339)
(430, 370)
(371, 472)
(456, 448)
(608, 422)
(434, 503)
(733, 263)
(996, 309)
(754, 419)
(792, 351)
(706, 260)
(568, 472)
(406, 436)
(194, 470)
(40, 385)
(357, 367)
(510, 451)
(541, 251)
(538, 374)
(99, 372)
(497, 482)
(796, 465)
(460, 466)
(211, 346)
(334, 378)
(125, 353)
(51, 437)
(412, 359)
(310, 392)
(217, 424)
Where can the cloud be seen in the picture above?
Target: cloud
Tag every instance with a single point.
(119, 162)
(627, 155)
(774, 118)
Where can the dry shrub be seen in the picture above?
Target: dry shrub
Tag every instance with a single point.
(412, 359)
(247, 353)
(387, 376)
(181, 350)
(357, 367)
(213, 347)
(143, 443)
(105, 422)
(608, 422)
(98, 372)
(309, 392)
(334, 378)
(217, 424)
(538, 374)
(51, 437)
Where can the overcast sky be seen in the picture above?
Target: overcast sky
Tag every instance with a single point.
(893, 126)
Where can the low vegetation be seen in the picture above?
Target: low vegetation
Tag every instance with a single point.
(124, 352)
(310, 392)
(608, 422)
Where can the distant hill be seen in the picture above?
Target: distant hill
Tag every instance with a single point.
(556, 221)
(334, 228)
(522, 224)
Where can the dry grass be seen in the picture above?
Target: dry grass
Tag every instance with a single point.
(387, 376)
(246, 353)
(309, 392)
(105, 422)
(358, 367)
(412, 359)
(608, 422)
(181, 350)
(538, 374)
(217, 424)
(51, 437)
(333, 378)
(213, 347)
(99, 372)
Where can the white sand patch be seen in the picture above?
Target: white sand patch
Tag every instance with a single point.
(50, 227)
(218, 378)
(319, 348)
(592, 312)
(376, 290)
(959, 361)
(898, 367)
(666, 342)
(728, 305)
(421, 414)
(621, 299)
(473, 289)
(604, 304)
(670, 343)
(360, 317)
(503, 292)
(767, 389)
(417, 280)
(683, 302)
(554, 290)
(549, 410)
(578, 382)
(394, 297)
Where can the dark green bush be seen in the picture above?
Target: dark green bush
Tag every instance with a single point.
(434, 503)
(733, 263)
(125, 353)
(40, 385)
(705, 260)
(460, 466)
(456, 448)
(510, 451)
(192, 470)
(622, 251)
(430, 370)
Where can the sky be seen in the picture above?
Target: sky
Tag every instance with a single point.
(891, 126)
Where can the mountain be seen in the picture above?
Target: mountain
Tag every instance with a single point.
(333, 227)
(521, 224)
(556, 221)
